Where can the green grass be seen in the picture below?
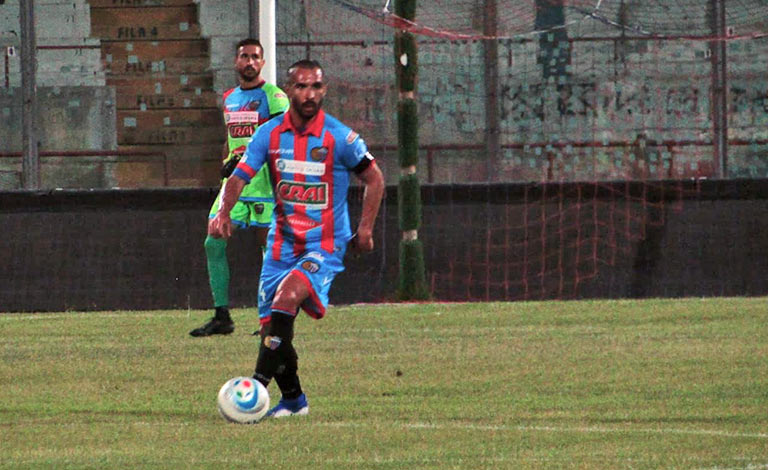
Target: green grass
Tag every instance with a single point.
(662, 384)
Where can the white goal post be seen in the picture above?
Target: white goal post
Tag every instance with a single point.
(268, 39)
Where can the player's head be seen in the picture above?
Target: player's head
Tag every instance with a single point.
(305, 86)
(249, 59)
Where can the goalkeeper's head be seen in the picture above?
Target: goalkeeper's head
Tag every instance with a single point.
(306, 88)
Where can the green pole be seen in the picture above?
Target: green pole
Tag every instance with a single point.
(412, 283)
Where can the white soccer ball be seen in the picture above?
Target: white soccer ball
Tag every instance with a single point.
(243, 400)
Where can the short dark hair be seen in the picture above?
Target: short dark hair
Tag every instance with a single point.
(306, 64)
(249, 42)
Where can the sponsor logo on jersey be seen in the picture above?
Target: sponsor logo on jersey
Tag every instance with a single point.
(237, 131)
(315, 255)
(280, 94)
(239, 151)
(310, 267)
(301, 224)
(281, 152)
(318, 154)
(352, 136)
(250, 117)
(302, 168)
(300, 193)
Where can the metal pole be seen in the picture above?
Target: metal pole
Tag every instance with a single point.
(30, 163)
(491, 56)
(253, 19)
(268, 38)
(719, 88)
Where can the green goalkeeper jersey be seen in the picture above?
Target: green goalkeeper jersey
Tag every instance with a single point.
(244, 112)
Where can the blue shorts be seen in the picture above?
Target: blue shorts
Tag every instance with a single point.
(316, 268)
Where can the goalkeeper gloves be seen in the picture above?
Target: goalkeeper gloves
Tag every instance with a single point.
(230, 165)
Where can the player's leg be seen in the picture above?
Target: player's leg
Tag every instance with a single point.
(306, 286)
(218, 273)
(261, 217)
(277, 355)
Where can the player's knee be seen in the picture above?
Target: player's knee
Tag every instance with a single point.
(280, 325)
(291, 293)
(288, 300)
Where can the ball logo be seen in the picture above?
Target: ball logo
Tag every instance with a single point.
(244, 394)
(318, 154)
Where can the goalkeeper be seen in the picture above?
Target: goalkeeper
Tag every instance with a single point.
(246, 107)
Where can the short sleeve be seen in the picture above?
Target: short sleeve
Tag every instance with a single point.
(353, 150)
(278, 101)
(255, 154)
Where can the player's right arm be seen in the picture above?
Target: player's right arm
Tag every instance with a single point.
(221, 225)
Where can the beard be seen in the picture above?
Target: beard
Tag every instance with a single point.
(248, 74)
(308, 109)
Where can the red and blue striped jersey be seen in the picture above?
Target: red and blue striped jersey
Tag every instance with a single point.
(310, 173)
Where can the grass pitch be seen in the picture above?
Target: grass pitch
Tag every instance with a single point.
(660, 384)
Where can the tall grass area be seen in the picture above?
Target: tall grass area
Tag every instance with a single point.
(658, 384)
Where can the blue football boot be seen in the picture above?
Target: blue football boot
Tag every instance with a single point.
(297, 406)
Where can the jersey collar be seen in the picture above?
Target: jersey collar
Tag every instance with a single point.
(314, 126)
(258, 85)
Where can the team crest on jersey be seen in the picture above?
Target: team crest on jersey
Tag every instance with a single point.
(318, 154)
(352, 136)
(252, 106)
(310, 267)
(306, 194)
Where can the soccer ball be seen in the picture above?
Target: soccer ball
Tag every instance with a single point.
(243, 400)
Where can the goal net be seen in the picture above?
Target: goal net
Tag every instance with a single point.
(577, 126)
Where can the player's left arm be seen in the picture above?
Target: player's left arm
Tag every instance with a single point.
(373, 180)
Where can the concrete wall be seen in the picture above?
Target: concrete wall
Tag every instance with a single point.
(77, 110)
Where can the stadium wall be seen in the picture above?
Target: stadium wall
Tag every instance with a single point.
(143, 249)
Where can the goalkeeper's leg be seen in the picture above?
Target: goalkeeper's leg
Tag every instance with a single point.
(218, 270)
(218, 277)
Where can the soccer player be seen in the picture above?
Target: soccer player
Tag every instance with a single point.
(246, 107)
(310, 156)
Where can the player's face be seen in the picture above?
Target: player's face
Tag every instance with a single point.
(306, 92)
(249, 62)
